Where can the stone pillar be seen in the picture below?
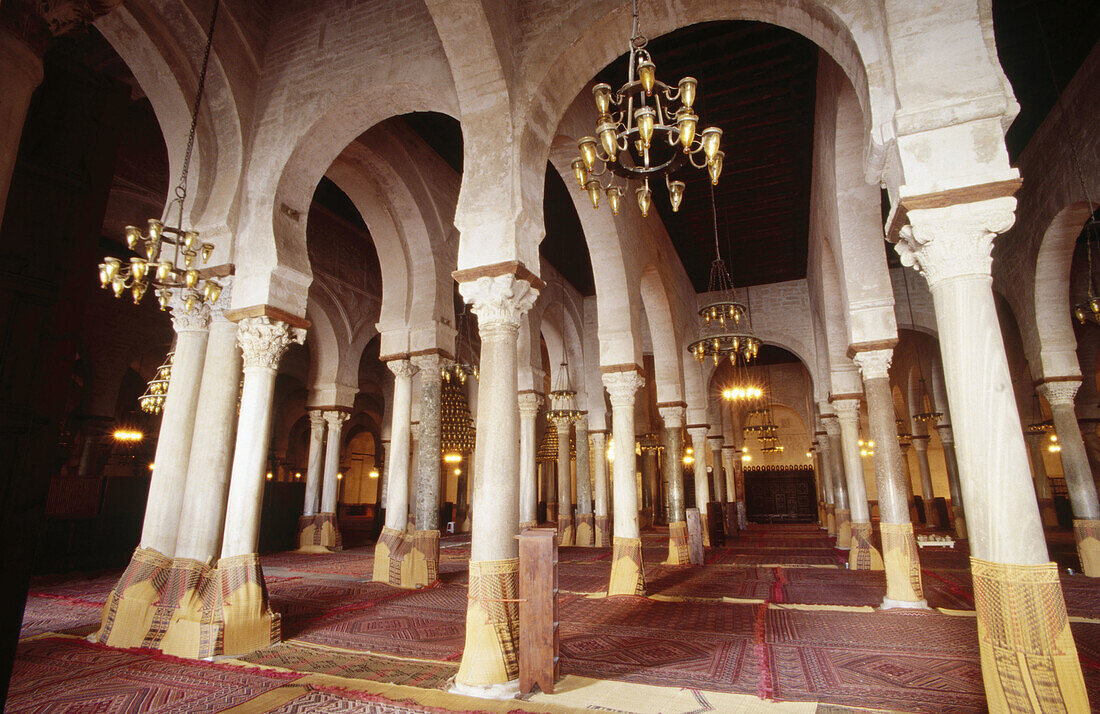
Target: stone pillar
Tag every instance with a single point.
(862, 555)
(678, 550)
(824, 457)
(951, 461)
(698, 434)
(425, 540)
(1092, 445)
(1044, 495)
(249, 623)
(650, 487)
(717, 474)
(325, 523)
(22, 74)
(472, 395)
(730, 456)
(565, 484)
(1012, 572)
(309, 536)
(529, 403)
(908, 481)
(600, 486)
(899, 547)
(489, 660)
(1078, 473)
(391, 562)
(920, 445)
(840, 483)
(627, 569)
(585, 524)
(414, 470)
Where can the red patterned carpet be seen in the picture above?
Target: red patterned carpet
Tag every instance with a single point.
(744, 623)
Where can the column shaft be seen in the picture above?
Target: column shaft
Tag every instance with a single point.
(429, 443)
(315, 466)
(627, 573)
(584, 530)
(600, 487)
(565, 485)
(528, 498)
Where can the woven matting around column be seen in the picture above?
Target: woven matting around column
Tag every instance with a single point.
(491, 654)
(249, 621)
(899, 555)
(1087, 533)
(584, 534)
(424, 558)
(130, 608)
(307, 534)
(830, 519)
(603, 531)
(627, 571)
(565, 530)
(195, 626)
(843, 528)
(387, 554)
(679, 552)
(863, 555)
(326, 533)
(1029, 660)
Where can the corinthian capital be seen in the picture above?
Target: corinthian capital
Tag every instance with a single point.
(498, 301)
(1061, 392)
(874, 364)
(401, 368)
(316, 419)
(846, 409)
(263, 341)
(621, 387)
(672, 416)
(335, 419)
(529, 403)
(954, 241)
(197, 320)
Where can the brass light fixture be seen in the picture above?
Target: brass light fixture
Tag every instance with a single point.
(169, 257)
(927, 413)
(457, 434)
(152, 400)
(1088, 310)
(642, 133)
(466, 357)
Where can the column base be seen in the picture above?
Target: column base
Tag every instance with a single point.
(960, 522)
(627, 570)
(830, 519)
(132, 604)
(505, 691)
(1047, 513)
(899, 555)
(603, 531)
(424, 557)
(843, 529)
(195, 627)
(679, 551)
(565, 530)
(390, 556)
(888, 604)
(319, 534)
(527, 524)
(247, 619)
(1087, 535)
(863, 555)
(1029, 659)
(584, 534)
(490, 659)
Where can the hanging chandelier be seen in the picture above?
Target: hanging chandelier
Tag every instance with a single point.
(905, 438)
(170, 256)
(649, 443)
(928, 413)
(725, 328)
(152, 400)
(547, 451)
(642, 133)
(457, 435)
(1089, 309)
(563, 398)
(466, 358)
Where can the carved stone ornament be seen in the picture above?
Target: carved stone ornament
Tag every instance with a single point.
(498, 301)
(847, 409)
(335, 419)
(529, 404)
(64, 16)
(316, 419)
(673, 417)
(198, 320)
(1060, 393)
(430, 365)
(874, 364)
(954, 241)
(263, 341)
(401, 368)
(621, 387)
(947, 434)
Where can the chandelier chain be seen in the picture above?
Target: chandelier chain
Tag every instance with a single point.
(181, 187)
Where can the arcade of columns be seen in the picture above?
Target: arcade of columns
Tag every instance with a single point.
(194, 586)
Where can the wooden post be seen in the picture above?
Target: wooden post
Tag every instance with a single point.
(695, 536)
(538, 609)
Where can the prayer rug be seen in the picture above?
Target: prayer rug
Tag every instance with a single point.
(354, 665)
(52, 614)
(391, 630)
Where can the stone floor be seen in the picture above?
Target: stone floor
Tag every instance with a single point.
(772, 619)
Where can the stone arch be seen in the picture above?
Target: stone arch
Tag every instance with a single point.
(668, 349)
(1053, 309)
(561, 338)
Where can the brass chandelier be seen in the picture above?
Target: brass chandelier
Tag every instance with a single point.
(563, 398)
(457, 433)
(466, 358)
(152, 400)
(1089, 309)
(170, 256)
(643, 133)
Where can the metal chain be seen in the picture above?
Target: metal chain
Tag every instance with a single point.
(181, 187)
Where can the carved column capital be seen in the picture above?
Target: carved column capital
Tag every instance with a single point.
(947, 434)
(621, 387)
(1060, 393)
(498, 302)
(672, 416)
(529, 403)
(831, 424)
(335, 419)
(846, 410)
(198, 320)
(874, 364)
(316, 419)
(430, 366)
(263, 341)
(599, 440)
(920, 443)
(401, 368)
(699, 432)
(954, 241)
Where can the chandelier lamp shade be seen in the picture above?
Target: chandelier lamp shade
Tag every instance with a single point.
(152, 400)
(168, 258)
(1088, 310)
(457, 435)
(466, 357)
(645, 129)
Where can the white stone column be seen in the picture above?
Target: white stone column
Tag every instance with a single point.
(627, 570)
(824, 458)
(840, 482)
(529, 403)
(204, 498)
(899, 546)
(698, 434)
(678, 550)
(489, 664)
(414, 470)
(316, 462)
(718, 471)
(177, 425)
(920, 445)
(863, 555)
(730, 455)
(1078, 473)
(429, 455)
(565, 484)
(951, 461)
(334, 420)
(22, 73)
(263, 342)
(584, 527)
(389, 562)
(600, 487)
